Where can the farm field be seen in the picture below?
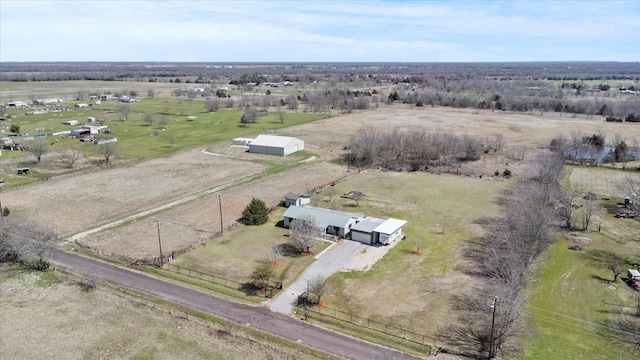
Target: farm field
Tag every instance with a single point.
(442, 210)
(99, 324)
(407, 290)
(194, 223)
(70, 204)
(573, 301)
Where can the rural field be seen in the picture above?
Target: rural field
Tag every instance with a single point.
(99, 324)
(443, 207)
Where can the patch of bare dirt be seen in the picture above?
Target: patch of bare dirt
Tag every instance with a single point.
(70, 204)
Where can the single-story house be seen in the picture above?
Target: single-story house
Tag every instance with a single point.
(46, 101)
(373, 230)
(293, 199)
(275, 145)
(241, 141)
(17, 104)
(333, 222)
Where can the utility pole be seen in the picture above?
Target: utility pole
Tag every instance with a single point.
(492, 349)
(220, 204)
(158, 222)
(348, 158)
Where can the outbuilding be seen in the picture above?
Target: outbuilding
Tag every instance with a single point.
(275, 145)
(293, 199)
(373, 230)
(70, 122)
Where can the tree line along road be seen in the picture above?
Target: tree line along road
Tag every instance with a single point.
(256, 317)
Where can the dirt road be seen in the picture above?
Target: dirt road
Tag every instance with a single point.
(256, 317)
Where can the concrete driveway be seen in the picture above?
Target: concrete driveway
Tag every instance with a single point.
(327, 263)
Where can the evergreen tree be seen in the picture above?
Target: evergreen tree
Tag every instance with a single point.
(256, 213)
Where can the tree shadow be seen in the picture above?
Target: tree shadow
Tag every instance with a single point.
(289, 250)
(601, 279)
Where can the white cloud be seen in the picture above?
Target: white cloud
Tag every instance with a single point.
(318, 31)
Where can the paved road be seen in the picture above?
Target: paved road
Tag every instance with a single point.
(256, 317)
(327, 263)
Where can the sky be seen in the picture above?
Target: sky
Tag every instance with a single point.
(319, 31)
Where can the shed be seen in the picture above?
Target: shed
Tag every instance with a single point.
(241, 141)
(293, 199)
(337, 223)
(70, 122)
(373, 230)
(275, 145)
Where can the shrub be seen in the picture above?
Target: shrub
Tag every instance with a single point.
(5, 211)
(15, 128)
(415, 166)
(506, 173)
(256, 213)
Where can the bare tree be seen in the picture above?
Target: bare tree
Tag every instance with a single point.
(171, 139)
(291, 101)
(151, 93)
(37, 147)
(567, 207)
(473, 332)
(357, 196)
(249, 116)
(27, 242)
(418, 242)
(191, 94)
(149, 118)
(276, 250)
(124, 110)
(330, 192)
(304, 233)
(589, 209)
(212, 105)
(107, 150)
(261, 275)
(68, 157)
(317, 288)
(281, 113)
(164, 121)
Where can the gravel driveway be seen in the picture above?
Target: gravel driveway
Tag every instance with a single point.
(327, 263)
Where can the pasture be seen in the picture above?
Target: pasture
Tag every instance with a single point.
(99, 324)
(408, 290)
(443, 210)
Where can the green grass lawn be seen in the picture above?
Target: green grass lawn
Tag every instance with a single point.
(236, 253)
(189, 125)
(413, 291)
(572, 300)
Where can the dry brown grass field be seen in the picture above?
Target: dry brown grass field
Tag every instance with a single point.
(74, 203)
(101, 324)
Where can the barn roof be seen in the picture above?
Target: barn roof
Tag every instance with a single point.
(272, 140)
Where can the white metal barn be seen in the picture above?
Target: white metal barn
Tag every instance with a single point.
(373, 230)
(275, 145)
